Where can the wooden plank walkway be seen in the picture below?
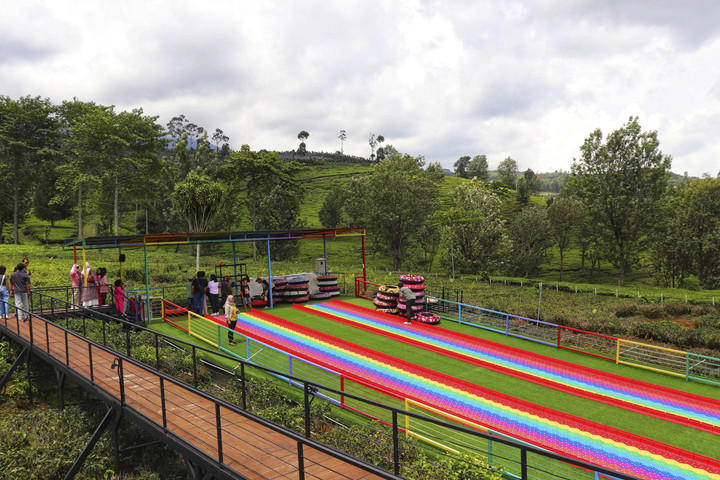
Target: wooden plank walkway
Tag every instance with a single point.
(249, 448)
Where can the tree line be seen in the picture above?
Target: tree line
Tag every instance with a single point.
(618, 206)
(85, 159)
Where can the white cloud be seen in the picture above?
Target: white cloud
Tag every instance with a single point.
(525, 79)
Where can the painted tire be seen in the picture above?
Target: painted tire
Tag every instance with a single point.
(279, 282)
(323, 278)
(387, 298)
(334, 294)
(330, 289)
(320, 296)
(419, 294)
(380, 303)
(415, 287)
(259, 303)
(412, 279)
(387, 310)
(427, 317)
(389, 290)
(327, 283)
(297, 280)
(295, 293)
(415, 308)
(299, 299)
(296, 286)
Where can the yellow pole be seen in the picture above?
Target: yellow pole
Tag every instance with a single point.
(617, 351)
(407, 420)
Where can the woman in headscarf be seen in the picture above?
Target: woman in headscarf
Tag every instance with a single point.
(75, 282)
(230, 317)
(89, 291)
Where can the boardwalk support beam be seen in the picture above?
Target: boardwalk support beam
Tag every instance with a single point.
(25, 353)
(60, 377)
(195, 471)
(78, 463)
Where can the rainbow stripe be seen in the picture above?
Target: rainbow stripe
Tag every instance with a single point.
(556, 431)
(665, 403)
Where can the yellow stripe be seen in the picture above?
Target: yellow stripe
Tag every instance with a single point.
(652, 346)
(639, 365)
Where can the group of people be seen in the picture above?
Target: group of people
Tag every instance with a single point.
(89, 288)
(16, 284)
(200, 291)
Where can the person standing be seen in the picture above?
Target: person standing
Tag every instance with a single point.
(199, 288)
(225, 289)
(20, 288)
(189, 288)
(409, 297)
(119, 297)
(245, 292)
(213, 293)
(103, 285)
(75, 281)
(89, 292)
(231, 317)
(26, 262)
(5, 289)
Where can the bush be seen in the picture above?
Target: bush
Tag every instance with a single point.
(662, 331)
(652, 310)
(675, 309)
(626, 309)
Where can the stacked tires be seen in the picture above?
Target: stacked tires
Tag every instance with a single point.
(296, 290)
(416, 283)
(328, 286)
(279, 286)
(386, 300)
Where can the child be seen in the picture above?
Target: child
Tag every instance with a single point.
(245, 292)
(230, 317)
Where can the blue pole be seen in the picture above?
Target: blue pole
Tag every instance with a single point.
(325, 253)
(270, 282)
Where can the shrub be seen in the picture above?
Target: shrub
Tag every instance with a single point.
(675, 309)
(626, 309)
(652, 310)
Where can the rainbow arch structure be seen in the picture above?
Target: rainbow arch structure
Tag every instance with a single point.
(556, 431)
(683, 408)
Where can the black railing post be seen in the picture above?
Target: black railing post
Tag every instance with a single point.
(121, 378)
(92, 374)
(301, 461)
(306, 390)
(84, 327)
(243, 386)
(157, 352)
(47, 337)
(195, 381)
(104, 333)
(30, 324)
(219, 432)
(396, 443)
(162, 403)
(67, 350)
(523, 464)
(127, 341)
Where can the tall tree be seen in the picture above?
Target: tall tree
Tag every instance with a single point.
(372, 141)
(342, 136)
(508, 171)
(302, 136)
(28, 134)
(699, 209)
(527, 185)
(479, 167)
(199, 200)
(530, 236)
(565, 215)
(380, 151)
(473, 228)
(620, 181)
(331, 212)
(461, 166)
(393, 202)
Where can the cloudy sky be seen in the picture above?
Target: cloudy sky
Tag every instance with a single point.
(441, 79)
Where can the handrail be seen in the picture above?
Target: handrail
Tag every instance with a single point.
(523, 448)
(124, 359)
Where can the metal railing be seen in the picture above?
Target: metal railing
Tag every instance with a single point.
(522, 461)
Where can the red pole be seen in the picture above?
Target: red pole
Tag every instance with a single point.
(363, 256)
(74, 255)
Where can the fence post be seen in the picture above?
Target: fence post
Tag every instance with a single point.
(507, 324)
(194, 367)
(243, 386)
(306, 392)
(540, 300)
(523, 464)
(396, 443)
(687, 366)
(459, 313)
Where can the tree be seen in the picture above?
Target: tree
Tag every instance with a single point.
(342, 136)
(527, 185)
(222, 147)
(48, 203)
(564, 214)
(28, 135)
(373, 144)
(394, 202)
(380, 151)
(508, 170)
(530, 237)
(199, 200)
(473, 228)
(302, 136)
(620, 181)
(461, 166)
(478, 167)
(331, 211)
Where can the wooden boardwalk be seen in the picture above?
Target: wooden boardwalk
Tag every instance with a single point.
(249, 448)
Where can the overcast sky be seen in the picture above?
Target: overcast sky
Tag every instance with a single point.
(441, 79)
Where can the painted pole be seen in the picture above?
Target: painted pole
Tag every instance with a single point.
(539, 301)
(362, 237)
(85, 269)
(325, 253)
(234, 270)
(270, 282)
(74, 254)
(147, 286)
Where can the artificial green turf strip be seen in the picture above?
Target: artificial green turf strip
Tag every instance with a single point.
(663, 431)
(671, 381)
